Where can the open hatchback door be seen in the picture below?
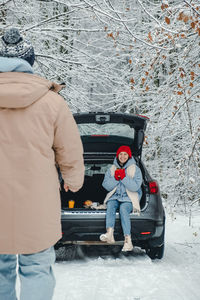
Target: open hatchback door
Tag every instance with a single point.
(110, 131)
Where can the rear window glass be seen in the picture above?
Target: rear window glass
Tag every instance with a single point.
(106, 129)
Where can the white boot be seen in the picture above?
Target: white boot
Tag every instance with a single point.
(108, 237)
(128, 246)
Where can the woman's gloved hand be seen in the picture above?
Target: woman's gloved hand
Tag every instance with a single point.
(117, 176)
(122, 173)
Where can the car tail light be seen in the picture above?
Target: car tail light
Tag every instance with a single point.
(142, 116)
(146, 232)
(153, 187)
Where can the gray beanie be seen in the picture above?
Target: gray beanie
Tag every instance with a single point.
(12, 44)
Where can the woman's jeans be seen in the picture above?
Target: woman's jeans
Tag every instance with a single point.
(125, 208)
(37, 281)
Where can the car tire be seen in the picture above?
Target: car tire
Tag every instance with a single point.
(156, 252)
(66, 253)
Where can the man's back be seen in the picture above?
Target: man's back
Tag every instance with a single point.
(36, 130)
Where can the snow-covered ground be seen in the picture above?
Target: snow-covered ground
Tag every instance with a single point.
(137, 277)
(176, 276)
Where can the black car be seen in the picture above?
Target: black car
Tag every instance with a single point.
(102, 134)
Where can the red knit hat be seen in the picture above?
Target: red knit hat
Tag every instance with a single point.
(126, 149)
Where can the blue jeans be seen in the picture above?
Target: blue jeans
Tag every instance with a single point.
(35, 273)
(125, 208)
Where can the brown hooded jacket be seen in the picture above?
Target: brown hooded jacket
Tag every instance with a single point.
(37, 130)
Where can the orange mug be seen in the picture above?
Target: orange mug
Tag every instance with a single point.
(71, 203)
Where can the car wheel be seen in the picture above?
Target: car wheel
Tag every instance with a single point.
(66, 253)
(155, 252)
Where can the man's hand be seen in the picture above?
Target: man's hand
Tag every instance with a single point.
(66, 188)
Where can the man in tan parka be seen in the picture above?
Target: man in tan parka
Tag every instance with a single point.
(37, 132)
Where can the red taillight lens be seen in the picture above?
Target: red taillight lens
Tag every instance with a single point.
(142, 116)
(146, 232)
(153, 187)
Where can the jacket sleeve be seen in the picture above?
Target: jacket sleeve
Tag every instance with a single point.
(133, 184)
(68, 148)
(109, 182)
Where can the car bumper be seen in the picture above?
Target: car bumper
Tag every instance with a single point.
(85, 228)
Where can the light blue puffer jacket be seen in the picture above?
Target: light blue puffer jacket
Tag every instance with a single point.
(129, 183)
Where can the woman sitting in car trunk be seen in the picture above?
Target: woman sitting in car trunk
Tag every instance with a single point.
(123, 181)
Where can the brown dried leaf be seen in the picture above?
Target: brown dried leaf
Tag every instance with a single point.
(163, 6)
(185, 19)
(143, 80)
(150, 36)
(181, 16)
(167, 20)
(110, 35)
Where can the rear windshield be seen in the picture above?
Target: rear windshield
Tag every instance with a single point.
(106, 129)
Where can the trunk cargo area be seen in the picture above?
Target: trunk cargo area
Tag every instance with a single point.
(92, 190)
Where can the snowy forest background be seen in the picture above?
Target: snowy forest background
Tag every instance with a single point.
(134, 56)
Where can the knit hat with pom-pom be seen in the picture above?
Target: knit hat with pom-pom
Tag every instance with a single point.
(13, 44)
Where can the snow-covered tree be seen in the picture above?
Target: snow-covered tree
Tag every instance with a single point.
(136, 56)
